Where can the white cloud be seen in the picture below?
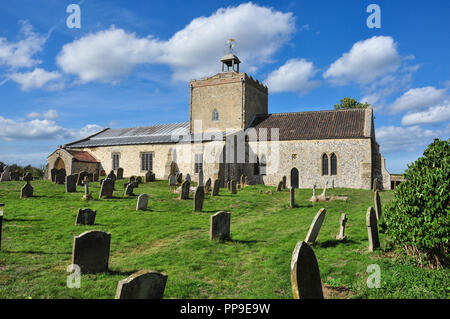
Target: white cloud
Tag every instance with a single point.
(35, 79)
(11, 130)
(20, 54)
(192, 52)
(418, 99)
(367, 61)
(294, 76)
(406, 139)
(435, 114)
(49, 115)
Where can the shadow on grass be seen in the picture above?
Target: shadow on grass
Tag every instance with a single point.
(21, 220)
(37, 252)
(335, 242)
(121, 273)
(303, 206)
(238, 241)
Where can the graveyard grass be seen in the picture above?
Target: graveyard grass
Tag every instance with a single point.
(169, 237)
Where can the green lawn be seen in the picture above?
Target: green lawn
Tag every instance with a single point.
(170, 237)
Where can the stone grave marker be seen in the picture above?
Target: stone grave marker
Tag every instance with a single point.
(342, 223)
(144, 284)
(280, 186)
(292, 197)
(142, 202)
(107, 188)
(233, 187)
(172, 182)
(95, 177)
(15, 176)
(372, 229)
(91, 251)
(120, 173)
(53, 174)
(129, 189)
(6, 175)
(220, 226)
(216, 187)
(284, 182)
(27, 190)
(199, 198)
(208, 186)
(149, 177)
(102, 172)
(315, 226)
(185, 187)
(242, 180)
(86, 195)
(324, 192)
(188, 178)
(305, 274)
(229, 186)
(139, 180)
(179, 177)
(377, 202)
(85, 217)
(201, 179)
(71, 183)
(81, 177)
(132, 179)
(112, 176)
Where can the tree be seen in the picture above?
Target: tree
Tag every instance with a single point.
(417, 218)
(349, 103)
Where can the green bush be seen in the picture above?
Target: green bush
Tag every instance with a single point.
(417, 218)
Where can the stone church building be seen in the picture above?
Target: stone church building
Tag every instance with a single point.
(231, 133)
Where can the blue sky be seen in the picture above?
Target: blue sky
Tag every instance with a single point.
(130, 62)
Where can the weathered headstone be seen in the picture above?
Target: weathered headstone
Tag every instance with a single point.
(102, 172)
(71, 183)
(315, 226)
(15, 176)
(107, 188)
(220, 226)
(280, 186)
(188, 178)
(185, 190)
(139, 180)
(233, 187)
(292, 197)
(132, 179)
(86, 217)
(200, 179)
(372, 229)
(342, 223)
(6, 175)
(199, 198)
(120, 173)
(112, 176)
(81, 176)
(149, 177)
(95, 177)
(129, 189)
(377, 203)
(229, 186)
(144, 284)
(179, 178)
(305, 274)
(91, 251)
(172, 182)
(53, 174)
(242, 179)
(284, 182)
(27, 190)
(142, 202)
(216, 187)
(324, 193)
(87, 195)
(208, 186)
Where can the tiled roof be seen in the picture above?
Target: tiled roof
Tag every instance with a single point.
(314, 125)
(82, 156)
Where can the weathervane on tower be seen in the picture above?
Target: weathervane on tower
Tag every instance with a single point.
(229, 59)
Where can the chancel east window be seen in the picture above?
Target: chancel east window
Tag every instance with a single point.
(198, 163)
(115, 161)
(147, 161)
(215, 115)
(333, 164)
(324, 164)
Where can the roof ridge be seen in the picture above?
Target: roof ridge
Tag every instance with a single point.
(321, 111)
(135, 127)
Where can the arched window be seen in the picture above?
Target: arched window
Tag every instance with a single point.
(215, 115)
(333, 164)
(324, 164)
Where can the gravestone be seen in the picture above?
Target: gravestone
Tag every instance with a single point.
(102, 172)
(144, 284)
(280, 186)
(216, 187)
(292, 197)
(71, 183)
(342, 222)
(220, 226)
(1, 222)
(149, 177)
(233, 187)
(112, 176)
(185, 190)
(375, 184)
(229, 186)
(120, 173)
(372, 229)
(81, 177)
(315, 226)
(107, 188)
(200, 179)
(284, 179)
(132, 179)
(53, 174)
(86, 195)
(86, 217)
(142, 202)
(199, 198)
(6, 175)
(188, 178)
(91, 177)
(139, 180)
(15, 176)
(324, 193)
(129, 189)
(60, 177)
(305, 274)
(208, 186)
(242, 179)
(91, 251)
(172, 182)
(377, 203)
(332, 184)
(27, 190)
(179, 178)
(95, 177)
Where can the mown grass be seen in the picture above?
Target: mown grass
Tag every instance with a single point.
(38, 236)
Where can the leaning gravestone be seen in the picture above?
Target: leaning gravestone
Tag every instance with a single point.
(6, 175)
(107, 188)
(86, 217)
(341, 234)
(142, 202)
(220, 226)
(129, 189)
(71, 183)
(216, 187)
(305, 274)
(372, 229)
(199, 198)
(377, 203)
(91, 251)
(120, 173)
(208, 186)
(185, 190)
(233, 187)
(315, 226)
(144, 284)
(292, 197)
(27, 189)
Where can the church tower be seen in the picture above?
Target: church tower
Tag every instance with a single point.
(227, 100)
